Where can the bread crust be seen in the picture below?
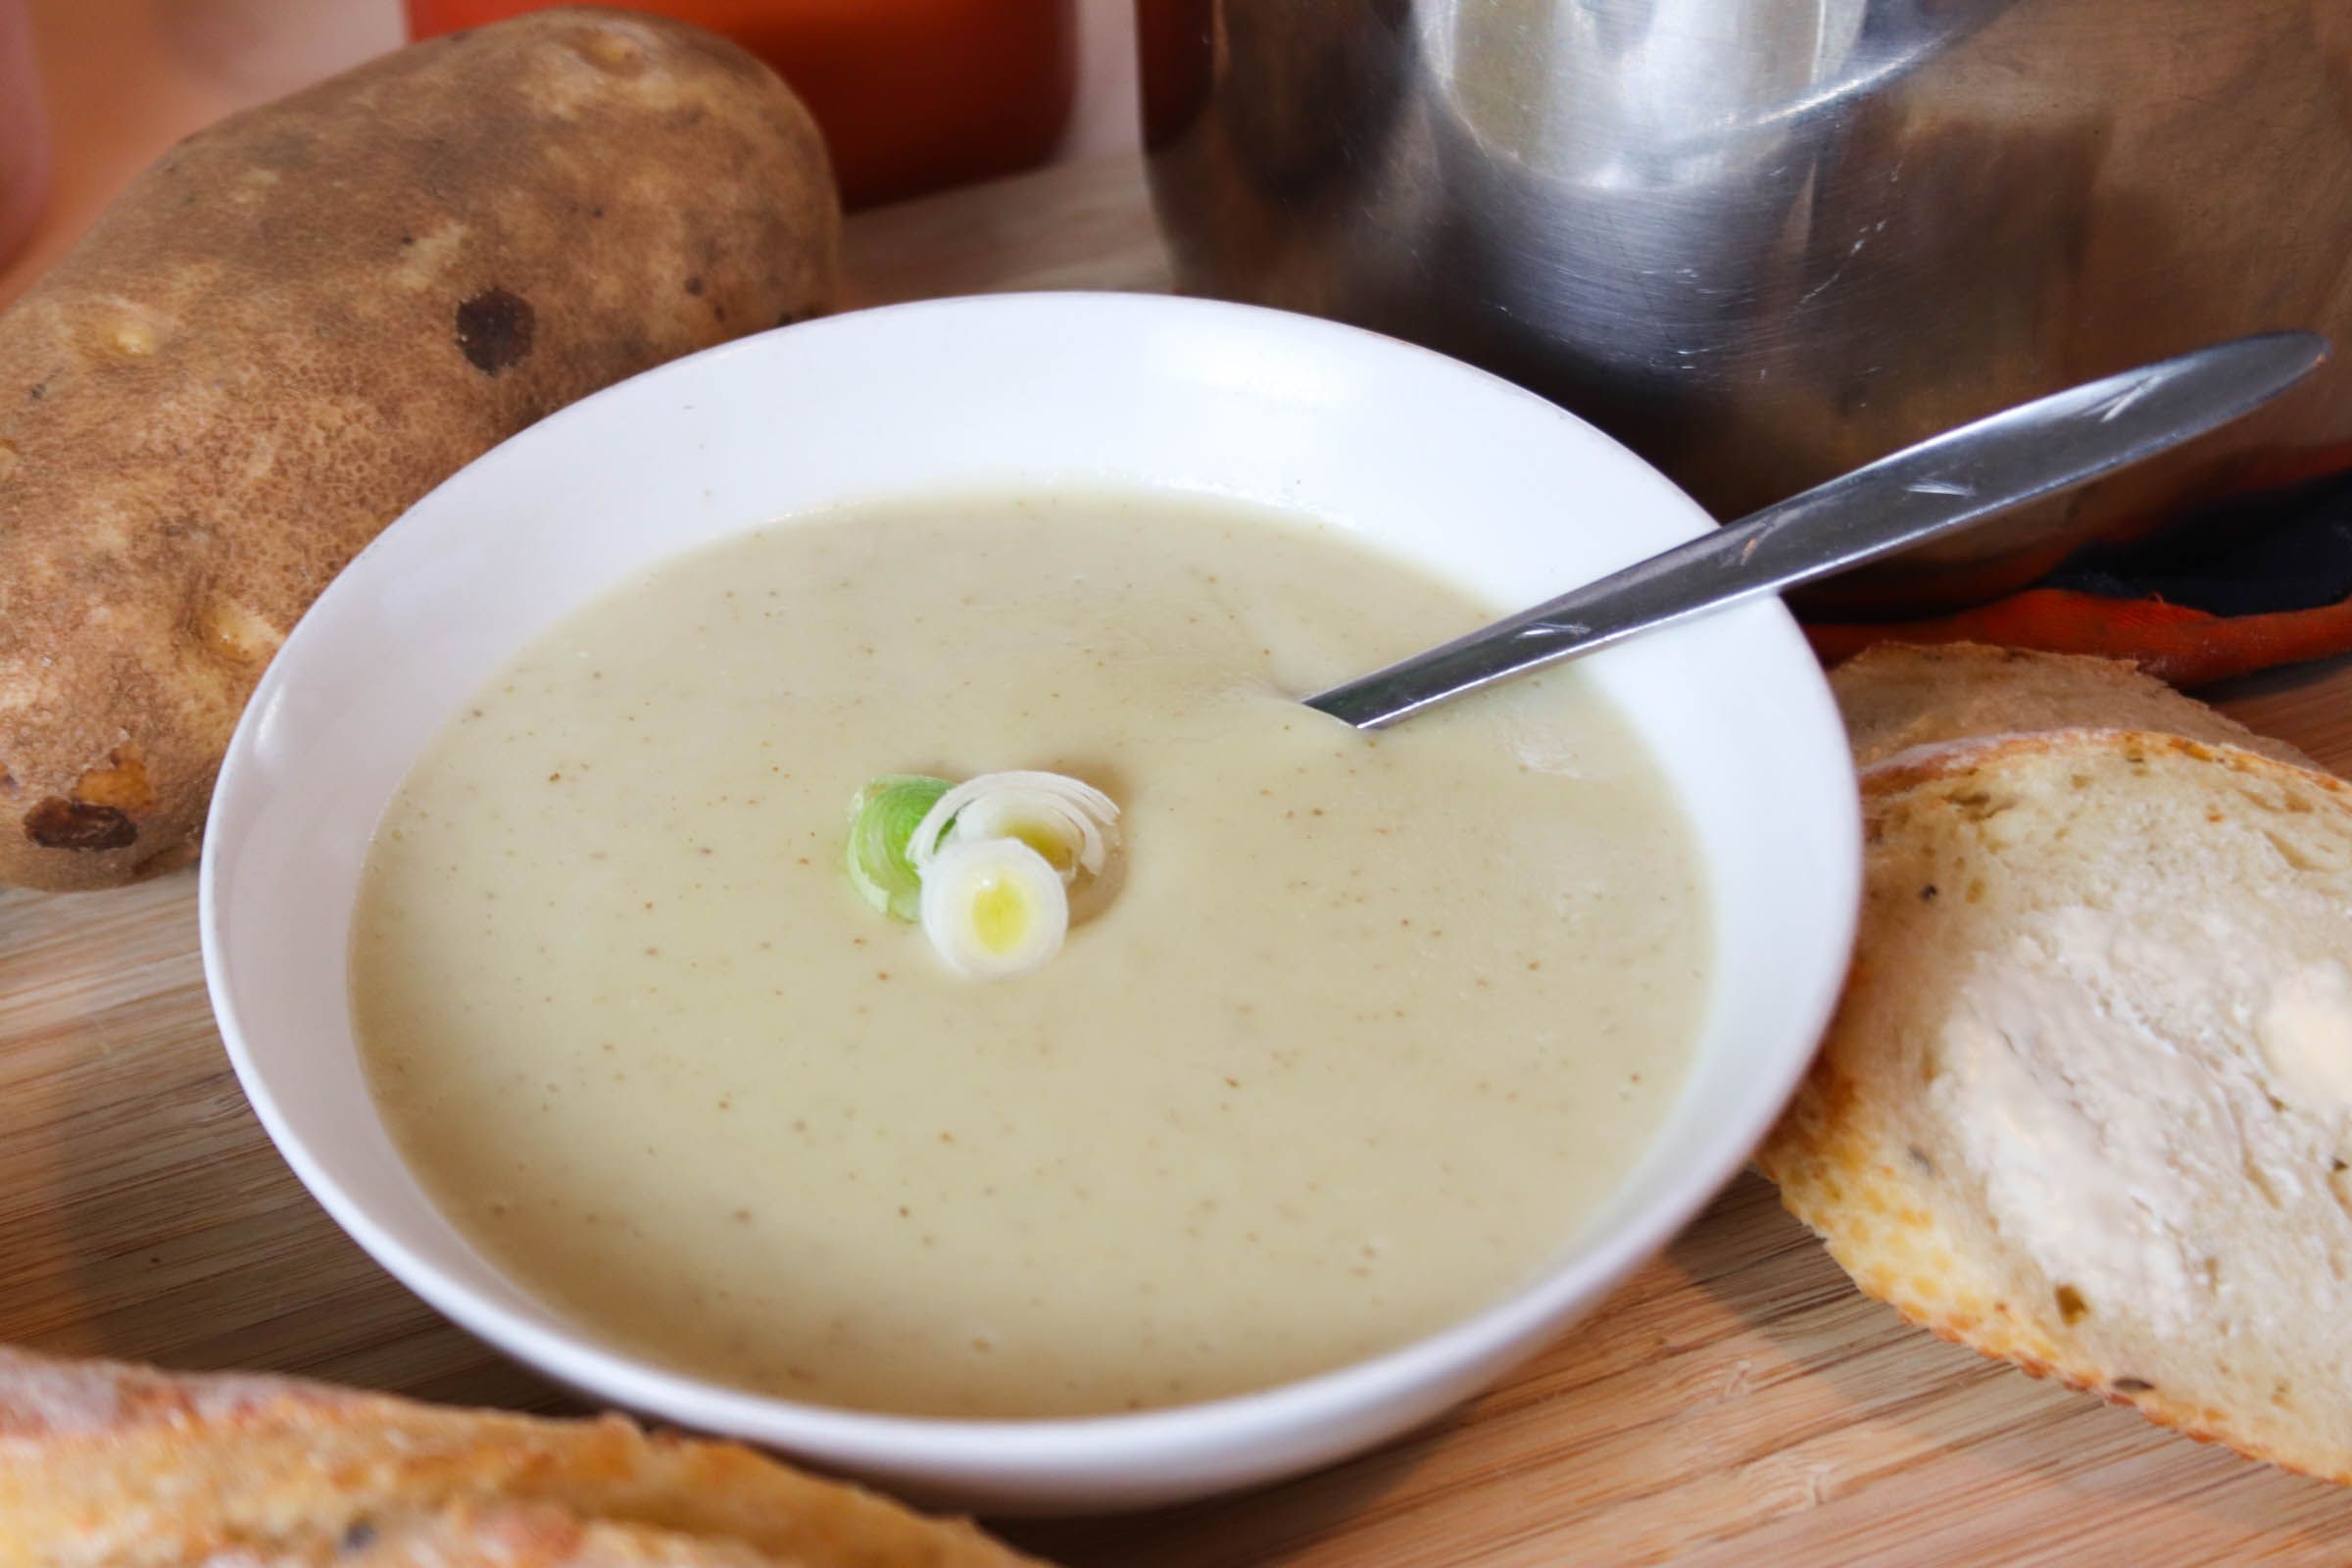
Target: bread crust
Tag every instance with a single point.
(1845, 1168)
(106, 1466)
(502, 1535)
(1897, 696)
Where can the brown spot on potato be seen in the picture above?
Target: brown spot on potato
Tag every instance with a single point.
(10, 789)
(57, 823)
(2133, 1385)
(495, 329)
(694, 283)
(2070, 1306)
(121, 784)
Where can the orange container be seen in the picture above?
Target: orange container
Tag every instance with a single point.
(912, 95)
(24, 132)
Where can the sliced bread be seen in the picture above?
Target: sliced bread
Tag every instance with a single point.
(501, 1535)
(104, 1465)
(1898, 696)
(2086, 1103)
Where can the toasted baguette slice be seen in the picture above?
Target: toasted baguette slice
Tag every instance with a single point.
(111, 1466)
(2086, 1103)
(1897, 695)
(525, 1536)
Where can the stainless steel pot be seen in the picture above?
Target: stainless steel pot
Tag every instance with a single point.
(1766, 241)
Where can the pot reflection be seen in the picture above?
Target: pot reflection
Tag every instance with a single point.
(1765, 242)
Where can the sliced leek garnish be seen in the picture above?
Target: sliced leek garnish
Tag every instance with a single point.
(1072, 824)
(986, 865)
(883, 818)
(993, 907)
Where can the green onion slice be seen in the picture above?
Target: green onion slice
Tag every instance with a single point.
(882, 820)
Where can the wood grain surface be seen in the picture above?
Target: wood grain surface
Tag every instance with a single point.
(1737, 1403)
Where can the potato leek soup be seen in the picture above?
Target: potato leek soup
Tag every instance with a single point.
(923, 958)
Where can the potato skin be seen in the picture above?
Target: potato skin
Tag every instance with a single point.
(302, 318)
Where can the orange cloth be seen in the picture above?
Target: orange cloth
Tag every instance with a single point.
(2185, 647)
(2262, 579)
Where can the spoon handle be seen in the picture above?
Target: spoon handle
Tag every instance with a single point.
(1923, 492)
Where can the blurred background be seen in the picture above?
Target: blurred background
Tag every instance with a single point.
(1762, 242)
(917, 95)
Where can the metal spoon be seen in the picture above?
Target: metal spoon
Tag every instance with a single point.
(1923, 492)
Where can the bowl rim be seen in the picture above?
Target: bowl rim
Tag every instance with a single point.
(972, 1447)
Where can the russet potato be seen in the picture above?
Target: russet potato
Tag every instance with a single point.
(300, 320)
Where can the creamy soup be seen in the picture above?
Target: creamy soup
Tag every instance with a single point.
(1369, 1027)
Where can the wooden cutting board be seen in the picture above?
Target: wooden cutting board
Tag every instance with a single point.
(1737, 1403)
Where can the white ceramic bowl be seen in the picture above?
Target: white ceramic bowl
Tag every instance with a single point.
(1478, 480)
